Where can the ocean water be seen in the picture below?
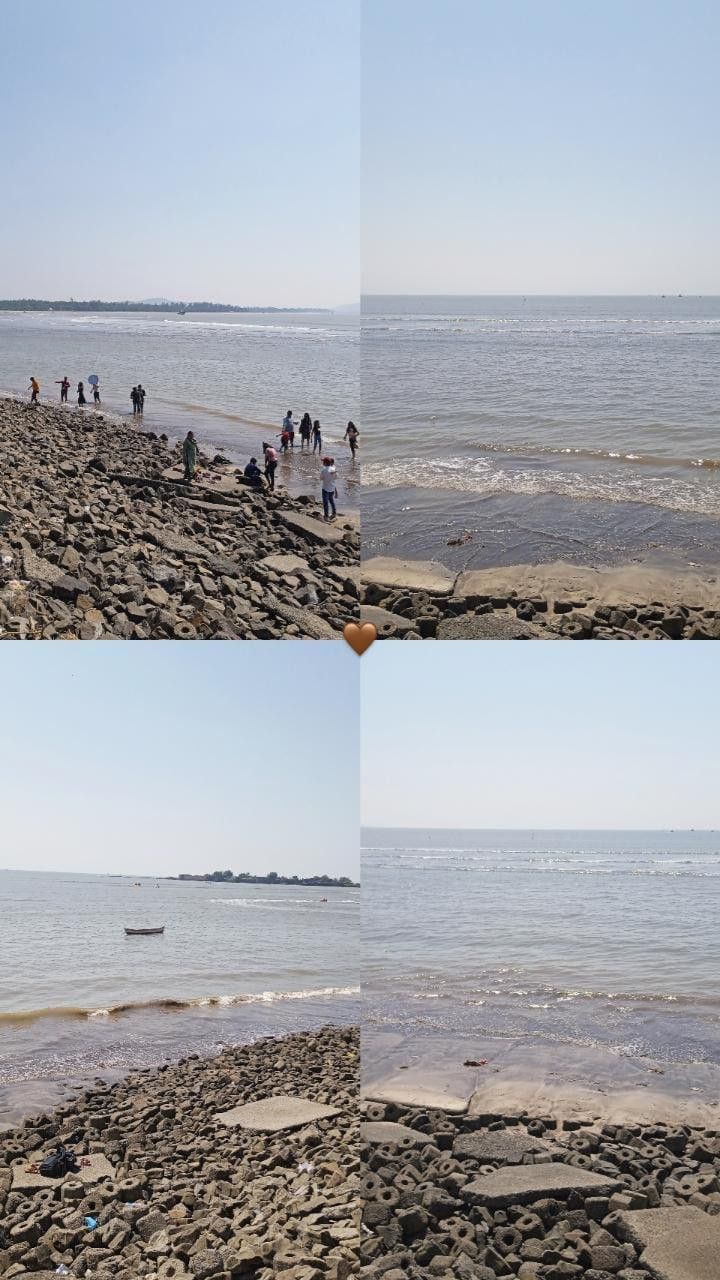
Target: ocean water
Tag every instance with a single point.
(604, 941)
(78, 998)
(585, 429)
(229, 377)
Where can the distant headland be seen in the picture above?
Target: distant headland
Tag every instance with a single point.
(245, 877)
(150, 304)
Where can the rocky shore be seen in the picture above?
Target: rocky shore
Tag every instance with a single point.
(479, 1196)
(178, 1185)
(412, 600)
(101, 538)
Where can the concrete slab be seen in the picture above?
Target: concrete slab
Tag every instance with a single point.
(97, 1168)
(388, 624)
(313, 530)
(279, 1112)
(677, 1244)
(393, 1135)
(524, 1183)
(408, 575)
(286, 564)
(498, 1144)
(438, 1098)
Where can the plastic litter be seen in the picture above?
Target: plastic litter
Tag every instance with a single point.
(90, 1223)
(305, 1166)
(62, 1270)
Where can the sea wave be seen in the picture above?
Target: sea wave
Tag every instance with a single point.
(486, 478)
(171, 1004)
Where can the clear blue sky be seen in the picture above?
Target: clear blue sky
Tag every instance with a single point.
(541, 146)
(496, 734)
(180, 149)
(167, 757)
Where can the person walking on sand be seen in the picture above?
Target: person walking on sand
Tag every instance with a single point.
(81, 395)
(34, 389)
(64, 386)
(134, 398)
(317, 437)
(305, 430)
(352, 435)
(190, 455)
(270, 456)
(289, 426)
(328, 476)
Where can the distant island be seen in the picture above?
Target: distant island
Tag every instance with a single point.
(245, 877)
(43, 304)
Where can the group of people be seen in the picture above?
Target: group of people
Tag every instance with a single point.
(309, 429)
(64, 385)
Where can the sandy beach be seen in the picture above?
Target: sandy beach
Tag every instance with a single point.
(179, 1182)
(409, 599)
(101, 538)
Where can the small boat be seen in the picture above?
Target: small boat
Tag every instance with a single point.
(144, 933)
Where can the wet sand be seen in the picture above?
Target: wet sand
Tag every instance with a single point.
(564, 1081)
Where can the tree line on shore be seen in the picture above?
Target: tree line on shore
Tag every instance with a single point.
(43, 304)
(246, 877)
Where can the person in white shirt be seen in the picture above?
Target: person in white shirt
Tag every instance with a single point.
(328, 477)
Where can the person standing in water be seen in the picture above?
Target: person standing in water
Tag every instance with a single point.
(289, 426)
(305, 430)
(34, 389)
(64, 386)
(328, 477)
(141, 398)
(190, 455)
(317, 436)
(81, 395)
(134, 398)
(352, 435)
(96, 393)
(270, 455)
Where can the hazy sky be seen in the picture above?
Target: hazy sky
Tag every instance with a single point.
(180, 149)
(540, 735)
(512, 146)
(162, 758)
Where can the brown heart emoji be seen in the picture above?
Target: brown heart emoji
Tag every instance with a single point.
(360, 637)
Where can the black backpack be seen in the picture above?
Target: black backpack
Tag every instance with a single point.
(59, 1163)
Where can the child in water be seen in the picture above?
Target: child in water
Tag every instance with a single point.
(317, 437)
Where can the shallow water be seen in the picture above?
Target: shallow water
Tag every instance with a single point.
(77, 996)
(582, 939)
(229, 377)
(540, 422)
